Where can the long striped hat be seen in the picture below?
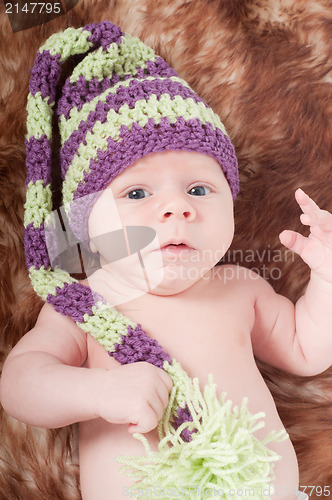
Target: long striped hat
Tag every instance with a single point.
(120, 103)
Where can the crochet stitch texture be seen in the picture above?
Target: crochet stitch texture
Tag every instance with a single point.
(121, 102)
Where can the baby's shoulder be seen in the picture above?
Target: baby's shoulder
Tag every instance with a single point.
(57, 335)
(240, 281)
(53, 319)
(60, 330)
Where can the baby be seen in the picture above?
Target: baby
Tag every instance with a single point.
(143, 157)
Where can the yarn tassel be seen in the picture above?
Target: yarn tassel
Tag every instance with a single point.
(223, 454)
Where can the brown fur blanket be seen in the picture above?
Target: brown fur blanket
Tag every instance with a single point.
(265, 67)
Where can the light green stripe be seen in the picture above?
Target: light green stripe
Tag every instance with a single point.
(68, 126)
(67, 43)
(45, 281)
(141, 113)
(124, 59)
(181, 378)
(39, 119)
(38, 203)
(106, 325)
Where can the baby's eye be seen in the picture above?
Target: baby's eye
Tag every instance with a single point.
(137, 194)
(199, 191)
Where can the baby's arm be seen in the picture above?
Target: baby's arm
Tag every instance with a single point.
(299, 339)
(44, 383)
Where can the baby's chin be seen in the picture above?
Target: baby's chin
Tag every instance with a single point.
(177, 280)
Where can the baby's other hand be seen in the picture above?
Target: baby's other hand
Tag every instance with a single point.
(316, 249)
(135, 394)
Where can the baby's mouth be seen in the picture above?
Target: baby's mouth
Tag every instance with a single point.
(176, 248)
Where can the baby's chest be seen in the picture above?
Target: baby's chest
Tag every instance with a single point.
(207, 340)
(202, 337)
(206, 321)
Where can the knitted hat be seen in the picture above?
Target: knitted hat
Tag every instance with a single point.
(121, 103)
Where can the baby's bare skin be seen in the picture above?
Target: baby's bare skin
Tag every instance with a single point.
(217, 340)
(213, 323)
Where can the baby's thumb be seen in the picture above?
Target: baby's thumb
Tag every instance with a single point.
(292, 240)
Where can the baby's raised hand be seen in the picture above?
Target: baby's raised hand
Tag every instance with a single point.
(316, 249)
(134, 394)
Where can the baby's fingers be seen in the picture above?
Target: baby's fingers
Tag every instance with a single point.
(293, 240)
(144, 422)
(312, 214)
(321, 219)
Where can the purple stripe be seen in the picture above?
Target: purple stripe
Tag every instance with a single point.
(38, 160)
(181, 136)
(137, 90)
(75, 95)
(73, 300)
(103, 34)
(143, 90)
(183, 415)
(159, 67)
(46, 69)
(138, 346)
(35, 247)
(45, 75)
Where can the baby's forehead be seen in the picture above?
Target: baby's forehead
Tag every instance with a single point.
(177, 161)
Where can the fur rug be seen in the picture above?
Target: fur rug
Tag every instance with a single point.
(265, 67)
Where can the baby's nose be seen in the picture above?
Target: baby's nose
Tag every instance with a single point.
(178, 208)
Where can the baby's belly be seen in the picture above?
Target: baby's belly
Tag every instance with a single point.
(236, 374)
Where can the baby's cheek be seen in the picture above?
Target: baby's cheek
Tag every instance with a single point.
(240, 338)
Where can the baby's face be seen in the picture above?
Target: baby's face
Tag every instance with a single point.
(185, 198)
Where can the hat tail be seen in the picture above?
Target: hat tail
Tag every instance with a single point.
(45, 76)
(54, 285)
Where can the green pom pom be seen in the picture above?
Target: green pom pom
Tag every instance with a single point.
(223, 455)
